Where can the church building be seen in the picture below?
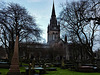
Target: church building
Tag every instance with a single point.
(53, 28)
(53, 38)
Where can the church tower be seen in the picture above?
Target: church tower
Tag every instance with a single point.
(53, 28)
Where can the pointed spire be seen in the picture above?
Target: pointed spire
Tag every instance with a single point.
(53, 20)
(53, 10)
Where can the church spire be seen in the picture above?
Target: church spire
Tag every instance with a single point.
(53, 10)
(53, 20)
(53, 28)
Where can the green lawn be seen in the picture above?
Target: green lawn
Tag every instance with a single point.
(67, 72)
(58, 72)
(4, 71)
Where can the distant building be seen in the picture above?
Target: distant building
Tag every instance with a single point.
(53, 28)
(53, 37)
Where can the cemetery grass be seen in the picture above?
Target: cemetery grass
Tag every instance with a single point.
(68, 72)
(58, 72)
(4, 71)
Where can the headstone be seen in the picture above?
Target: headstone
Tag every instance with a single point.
(63, 64)
(33, 63)
(14, 67)
(29, 70)
(51, 69)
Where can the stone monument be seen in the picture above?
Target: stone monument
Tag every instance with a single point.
(14, 67)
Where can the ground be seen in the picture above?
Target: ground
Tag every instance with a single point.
(4, 71)
(58, 72)
(67, 72)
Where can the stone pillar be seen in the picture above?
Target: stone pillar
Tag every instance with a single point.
(14, 67)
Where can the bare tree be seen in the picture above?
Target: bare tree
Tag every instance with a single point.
(94, 11)
(15, 20)
(73, 18)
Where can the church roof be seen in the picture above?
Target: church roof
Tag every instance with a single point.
(53, 11)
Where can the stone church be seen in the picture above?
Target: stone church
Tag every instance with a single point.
(53, 38)
(53, 28)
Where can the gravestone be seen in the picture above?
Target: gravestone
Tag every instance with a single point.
(63, 64)
(14, 67)
(30, 70)
(51, 69)
(33, 63)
